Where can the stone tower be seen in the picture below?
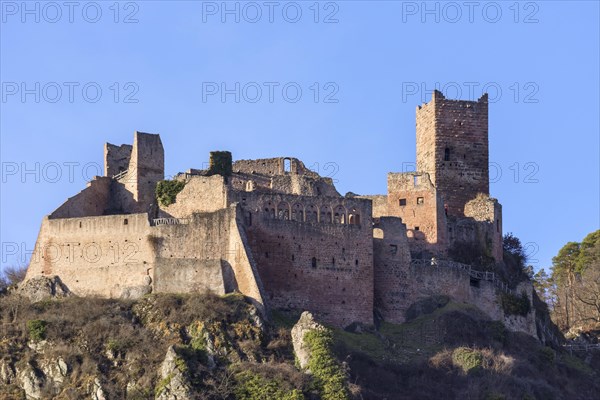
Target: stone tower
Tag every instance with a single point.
(452, 146)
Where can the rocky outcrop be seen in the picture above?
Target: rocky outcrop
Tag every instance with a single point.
(31, 380)
(42, 288)
(95, 390)
(305, 324)
(175, 384)
(7, 372)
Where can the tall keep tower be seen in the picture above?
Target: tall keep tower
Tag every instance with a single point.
(452, 146)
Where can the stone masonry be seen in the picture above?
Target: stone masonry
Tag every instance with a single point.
(281, 234)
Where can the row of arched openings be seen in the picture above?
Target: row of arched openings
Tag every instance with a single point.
(311, 213)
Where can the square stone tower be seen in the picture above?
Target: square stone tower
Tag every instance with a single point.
(452, 146)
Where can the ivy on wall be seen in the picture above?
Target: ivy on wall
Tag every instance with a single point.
(166, 191)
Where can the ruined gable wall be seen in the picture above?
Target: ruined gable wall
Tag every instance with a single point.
(338, 285)
(91, 201)
(116, 158)
(462, 128)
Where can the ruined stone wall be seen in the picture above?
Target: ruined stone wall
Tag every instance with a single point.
(391, 256)
(379, 202)
(200, 194)
(303, 185)
(249, 182)
(273, 166)
(315, 263)
(116, 158)
(488, 211)
(452, 146)
(91, 201)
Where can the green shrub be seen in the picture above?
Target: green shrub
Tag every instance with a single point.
(166, 191)
(37, 329)
(516, 305)
(469, 360)
(329, 376)
(251, 385)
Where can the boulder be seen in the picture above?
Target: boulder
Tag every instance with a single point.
(305, 324)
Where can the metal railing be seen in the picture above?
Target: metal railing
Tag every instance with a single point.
(582, 347)
(120, 174)
(170, 221)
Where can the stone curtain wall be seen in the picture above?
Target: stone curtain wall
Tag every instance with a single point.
(107, 256)
(124, 256)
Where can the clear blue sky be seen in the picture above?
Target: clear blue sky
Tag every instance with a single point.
(372, 61)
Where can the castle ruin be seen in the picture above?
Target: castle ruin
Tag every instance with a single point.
(281, 234)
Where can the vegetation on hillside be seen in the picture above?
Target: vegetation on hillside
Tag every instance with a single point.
(224, 350)
(572, 288)
(12, 275)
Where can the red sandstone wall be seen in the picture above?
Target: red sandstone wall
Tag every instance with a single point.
(325, 267)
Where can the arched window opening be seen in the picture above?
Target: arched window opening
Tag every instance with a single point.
(314, 262)
(339, 217)
(287, 165)
(283, 211)
(353, 219)
(298, 213)
(446, 154)
(311, 214)
(325, 215)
